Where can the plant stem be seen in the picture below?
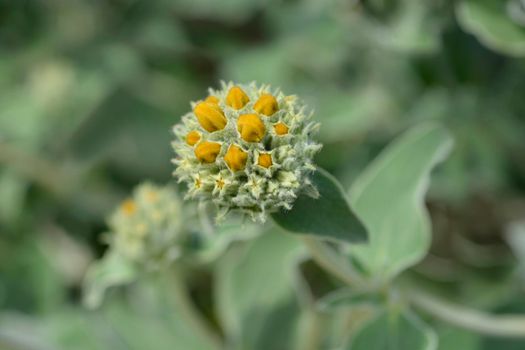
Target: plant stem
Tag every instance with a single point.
(204, 219)
(327, 258)
(464, 317)
(312, 337)
(183, 304)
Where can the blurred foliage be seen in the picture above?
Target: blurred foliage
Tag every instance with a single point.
(90, 90)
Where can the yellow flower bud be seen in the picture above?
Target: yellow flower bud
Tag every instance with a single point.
(266, 104)
(212, 99)
(207, 152)
(265, 160)
(152, 196)
(129, 207)
(237, 98)
(251, 127)
(193, 137)
(210, 116)
(280, 129)
(235, 158)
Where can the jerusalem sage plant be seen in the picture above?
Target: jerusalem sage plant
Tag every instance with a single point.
(249, 150)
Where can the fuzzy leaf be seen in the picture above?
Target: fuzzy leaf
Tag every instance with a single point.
(346, 298)
(389, 197)
(394, 331)
(112, 270)
(491, 23)
(255, 293)
(328, 217)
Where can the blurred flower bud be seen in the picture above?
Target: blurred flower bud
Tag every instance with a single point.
(148, 227)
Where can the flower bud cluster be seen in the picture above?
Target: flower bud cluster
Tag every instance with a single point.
(246, 148)
(148, 227)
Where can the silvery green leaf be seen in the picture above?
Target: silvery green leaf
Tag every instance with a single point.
(148, 318)
(110, 271)
(394, 331)
(155, 329)
(389, 197)
(225, 233)
(255, 293)
(347, 297)
(451, 338)
(491, 23)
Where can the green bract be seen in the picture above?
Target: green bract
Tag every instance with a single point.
(246, 148)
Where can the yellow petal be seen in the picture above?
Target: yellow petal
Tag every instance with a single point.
(210, 116)
(193, 137)
(207, 152)
(235, 158)
(266, 104)
(237, 98)
(265, 160)
(212, 99)
(280, 129)
(251, 127)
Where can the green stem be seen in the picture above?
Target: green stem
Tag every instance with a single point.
(204, 219)
(183, 304)
(473, 320)
(311, 335)
(312, 338)
(328, 259)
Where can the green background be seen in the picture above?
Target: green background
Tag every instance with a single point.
(90, 89)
